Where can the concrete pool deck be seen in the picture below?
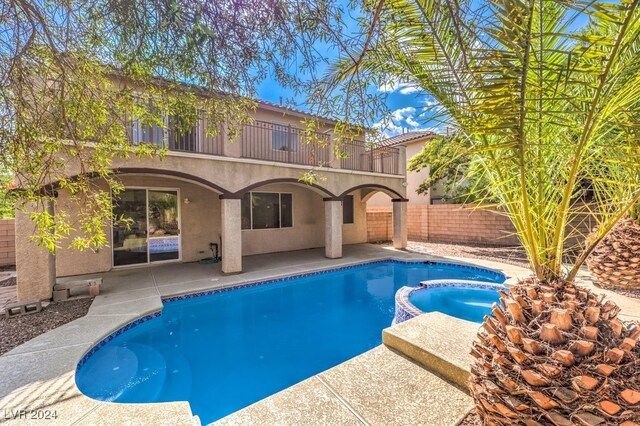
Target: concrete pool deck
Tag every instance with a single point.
(38, 376)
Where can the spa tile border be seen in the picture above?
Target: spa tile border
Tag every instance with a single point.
(405, 310)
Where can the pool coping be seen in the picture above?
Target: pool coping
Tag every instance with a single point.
(36, 361)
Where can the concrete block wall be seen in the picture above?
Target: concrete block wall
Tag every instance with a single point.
(460, 224)
(446, 223)
(7, 242)
(418, 222)
(380, 226)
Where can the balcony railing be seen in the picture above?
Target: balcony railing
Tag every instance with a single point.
(197, 140)
(283, 143)
(358, 156)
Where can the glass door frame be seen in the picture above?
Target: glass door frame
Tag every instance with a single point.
(179, 236)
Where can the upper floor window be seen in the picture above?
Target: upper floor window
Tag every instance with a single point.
(182, 138)
(280, 135)
(267, 210)
(151, 133)
(171, 132)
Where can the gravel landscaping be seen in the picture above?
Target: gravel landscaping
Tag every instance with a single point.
(17, 330)
(513, 255)
(8, 282)
(472, 419)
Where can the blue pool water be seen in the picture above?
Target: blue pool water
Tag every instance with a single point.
(224, 351)
(468, 303)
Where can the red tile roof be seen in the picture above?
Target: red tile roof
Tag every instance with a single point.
(406, 137)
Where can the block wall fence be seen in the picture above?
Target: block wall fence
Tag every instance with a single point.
(444, 222)
(7, 242)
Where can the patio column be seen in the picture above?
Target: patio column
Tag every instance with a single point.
(400, 223)
(231, 235)
(332, 228)
(35, 265)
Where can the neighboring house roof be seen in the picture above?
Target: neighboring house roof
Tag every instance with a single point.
(293, 111)
(405, 137)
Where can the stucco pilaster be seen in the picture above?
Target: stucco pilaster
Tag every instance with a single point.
(400, 230)
(35, 265)
(231, 231)
(333, 228)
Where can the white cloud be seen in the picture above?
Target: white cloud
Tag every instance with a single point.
(430, 102)
(393, 85)
(411, 119)
(407, 89)
(402, 113)
(387, 128)
(413, 123)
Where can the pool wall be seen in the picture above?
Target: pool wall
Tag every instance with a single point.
(405, 310)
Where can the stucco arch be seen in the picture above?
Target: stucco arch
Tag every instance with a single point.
(148, 171)
(374, 188)
(314, 187)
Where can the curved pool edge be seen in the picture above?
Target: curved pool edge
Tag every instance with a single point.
(42, 374)
(405, 310)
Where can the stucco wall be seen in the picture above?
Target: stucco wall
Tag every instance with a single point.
(356, 232)
(200, 224)
(7, 242)
(308, 224)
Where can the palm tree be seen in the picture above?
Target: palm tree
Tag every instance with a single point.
(615, 262)
(548, 94)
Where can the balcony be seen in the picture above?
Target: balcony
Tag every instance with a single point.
(280, 143)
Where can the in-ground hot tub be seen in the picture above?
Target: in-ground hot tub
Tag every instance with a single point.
(464, 299)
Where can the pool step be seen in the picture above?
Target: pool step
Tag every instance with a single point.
(438, 342)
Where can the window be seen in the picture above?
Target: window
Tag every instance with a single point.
(347, 209)
(152, 134)
(280, 137)
(267, 210)
(181, 137)
(149, 129)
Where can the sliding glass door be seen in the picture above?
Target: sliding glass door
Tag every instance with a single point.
(150, 227)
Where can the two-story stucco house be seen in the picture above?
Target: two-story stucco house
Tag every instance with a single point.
(243, 195)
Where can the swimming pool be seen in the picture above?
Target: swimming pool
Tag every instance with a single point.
(226, 350)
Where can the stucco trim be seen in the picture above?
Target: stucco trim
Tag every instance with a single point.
(382, 188)
(244, 160)
(239, 193)
(147, 171)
